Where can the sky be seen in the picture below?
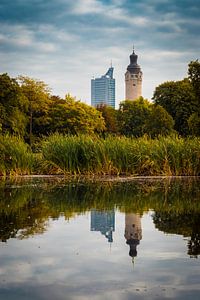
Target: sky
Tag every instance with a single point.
(66, 43)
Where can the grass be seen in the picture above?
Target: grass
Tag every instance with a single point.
(123, 156)
(16, 157)
(92, 155)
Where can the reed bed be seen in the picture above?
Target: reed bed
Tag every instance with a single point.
(16, 157)
(91, 155)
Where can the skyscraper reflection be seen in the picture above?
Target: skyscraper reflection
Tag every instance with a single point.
(103, 221)
(133, 232)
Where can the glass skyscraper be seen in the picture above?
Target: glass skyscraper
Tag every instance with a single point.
(103, 221)
(103, 89)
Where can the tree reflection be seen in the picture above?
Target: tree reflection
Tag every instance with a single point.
(26, 206)
(187, 225)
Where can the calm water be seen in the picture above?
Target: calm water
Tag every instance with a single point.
(120, 240)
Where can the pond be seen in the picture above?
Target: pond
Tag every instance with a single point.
(126, 239)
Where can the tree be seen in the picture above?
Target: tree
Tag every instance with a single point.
(194, 124)
(178, 98)
(74, 117)
(159, 122)
(13, 106)
(39, 100)
(194, 77)
(141, 117)
(133, 116)
(110, 116)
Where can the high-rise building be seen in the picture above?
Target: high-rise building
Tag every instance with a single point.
(133, 79)
(103, 89)
(103, 221)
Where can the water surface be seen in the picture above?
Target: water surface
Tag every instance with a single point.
(109, 240)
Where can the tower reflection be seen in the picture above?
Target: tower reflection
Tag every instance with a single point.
(103, 221)
(133, 232)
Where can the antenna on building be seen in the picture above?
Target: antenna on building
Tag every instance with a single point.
(111, 63)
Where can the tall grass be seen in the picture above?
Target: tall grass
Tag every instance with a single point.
(16, 157)
(123, 156)
(92, 155)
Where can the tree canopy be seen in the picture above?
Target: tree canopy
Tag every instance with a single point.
(74, 117)
(110, 116)
(178, 99)
(13, 106)
(140, 117)
(38, 97)
(28, 109)
(194, 77)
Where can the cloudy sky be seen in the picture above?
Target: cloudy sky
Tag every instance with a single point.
(67, 42)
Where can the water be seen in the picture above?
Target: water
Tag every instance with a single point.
(111, 240)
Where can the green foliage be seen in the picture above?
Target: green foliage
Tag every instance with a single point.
(13, 106)
(74, 117)
(132, 117)
(194, 124)
(178, 99)
(159, 122)
(140, 117)
(26, 205)
(110, 116)
(74, 154)
(194, 77)
(15, 156)
(37, 94)
(120, 155)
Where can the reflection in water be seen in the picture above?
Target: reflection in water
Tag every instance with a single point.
(65, 261)
(104, 222)
(25, 207)
(187, 225)
(133, 232)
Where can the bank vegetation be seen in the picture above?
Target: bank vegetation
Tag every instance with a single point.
(94, 155)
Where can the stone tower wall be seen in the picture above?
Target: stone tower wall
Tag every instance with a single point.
(133, 85)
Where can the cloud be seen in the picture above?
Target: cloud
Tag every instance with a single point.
(87, 7)
(67, 42)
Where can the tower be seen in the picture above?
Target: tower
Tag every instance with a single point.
(133, 232)
(103, 89)
(133, 79)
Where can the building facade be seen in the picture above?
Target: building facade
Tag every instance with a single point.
(133, 79)
(103, 222)
(103, 89)
(133, 232)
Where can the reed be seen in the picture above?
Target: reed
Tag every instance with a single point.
(123, 156)
(16, 157)
(92, 155)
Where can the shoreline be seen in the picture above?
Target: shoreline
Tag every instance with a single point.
(106, 178)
